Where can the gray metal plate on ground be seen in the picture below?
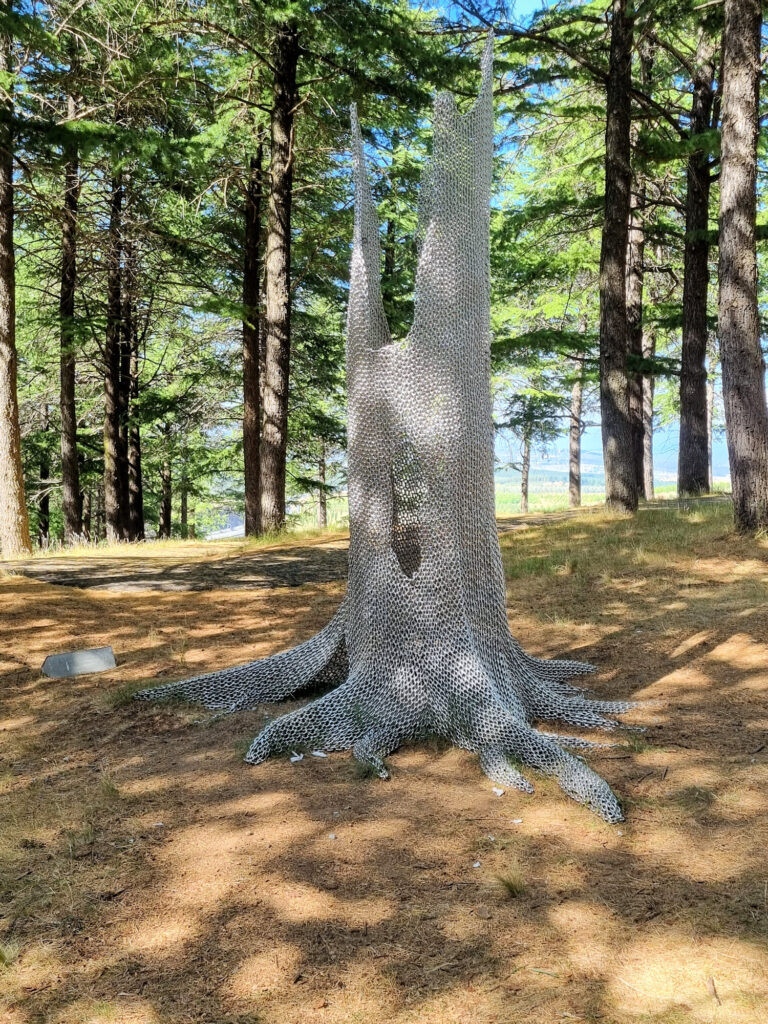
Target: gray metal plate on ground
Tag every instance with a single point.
(77, 663)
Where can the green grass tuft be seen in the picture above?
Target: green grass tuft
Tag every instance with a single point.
(513, 883)
(9, 953)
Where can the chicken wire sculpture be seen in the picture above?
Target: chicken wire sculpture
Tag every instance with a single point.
(421, 644)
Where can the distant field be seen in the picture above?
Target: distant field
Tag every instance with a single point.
(548, 493)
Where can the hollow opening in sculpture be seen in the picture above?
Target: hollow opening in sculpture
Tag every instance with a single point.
(408, 495)
(421, 644)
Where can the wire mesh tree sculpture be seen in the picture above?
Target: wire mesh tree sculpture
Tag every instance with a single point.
(421, 644)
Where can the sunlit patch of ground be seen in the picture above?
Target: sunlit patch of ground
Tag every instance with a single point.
(150, 877)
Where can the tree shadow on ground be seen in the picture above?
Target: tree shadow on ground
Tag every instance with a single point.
(151, 876)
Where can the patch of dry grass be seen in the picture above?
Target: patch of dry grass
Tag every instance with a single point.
(149, 877)
(198, 549)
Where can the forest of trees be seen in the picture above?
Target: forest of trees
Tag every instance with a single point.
(176, 221)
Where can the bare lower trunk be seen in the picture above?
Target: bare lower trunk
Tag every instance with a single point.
(100, 528)
(649, 353)
(692, 469)
(135, 478)
(44, 505)
(710, 420)
(166, 500)
(14, 521)
(421, 644)
(525, 472)
(618, 451)
(114, 450)
(322, 497)
(70, 468)
(277, 322)
(574, 445)
(635, 281)
(635, 285)
(183, 506)
(251, 344)
(746, 416)
(86, 499)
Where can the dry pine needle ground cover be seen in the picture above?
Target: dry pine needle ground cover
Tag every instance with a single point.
(150, 877)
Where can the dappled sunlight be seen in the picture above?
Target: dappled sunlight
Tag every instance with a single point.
(668, 972)
(152, 876)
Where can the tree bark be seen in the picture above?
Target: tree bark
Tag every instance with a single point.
(525, 470)
(692, 467)
(124, 391)
(710, 421)
(71, 499)
(251, 347)
(635, 281)
(115, 491)
(87, 503)
(166, 500)
(129, 396)
(618, 452)
(649, 381)
(44, 503)
(100, 527)
(322, 497)
(746, 415)
(574, 444)
(184, 504)
(14, 519)
(135, 478)
(277, 323)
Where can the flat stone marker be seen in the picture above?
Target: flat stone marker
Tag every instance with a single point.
(77, 663)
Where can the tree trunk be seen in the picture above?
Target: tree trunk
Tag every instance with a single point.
(618, 450)
(251, 347)
(525, 470)
(746, 416)
(129, 391)
(635, 280)
(100, 529)
(115, 492)
(277, 324)
(184, 504)
(388, 277)
(70, 468)
(44, 503)
(135, 479)
(322, 497)
(86, 506)
(692, 466)
(127, 295)
(649, 353)
(14, 520)
(422, 644)
(166, 500)
(710, 420)
(574, 444)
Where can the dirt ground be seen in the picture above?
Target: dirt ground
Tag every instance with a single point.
(148, 876)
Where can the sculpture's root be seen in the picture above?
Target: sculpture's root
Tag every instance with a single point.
(335, 721)
(373, 716)
(495, 763)
(575, 710)
(372, 722)
(558, 670)
(547, 756)
(320, 661)
(576, 742)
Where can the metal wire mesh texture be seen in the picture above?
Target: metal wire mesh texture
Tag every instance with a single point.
(421, 644)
